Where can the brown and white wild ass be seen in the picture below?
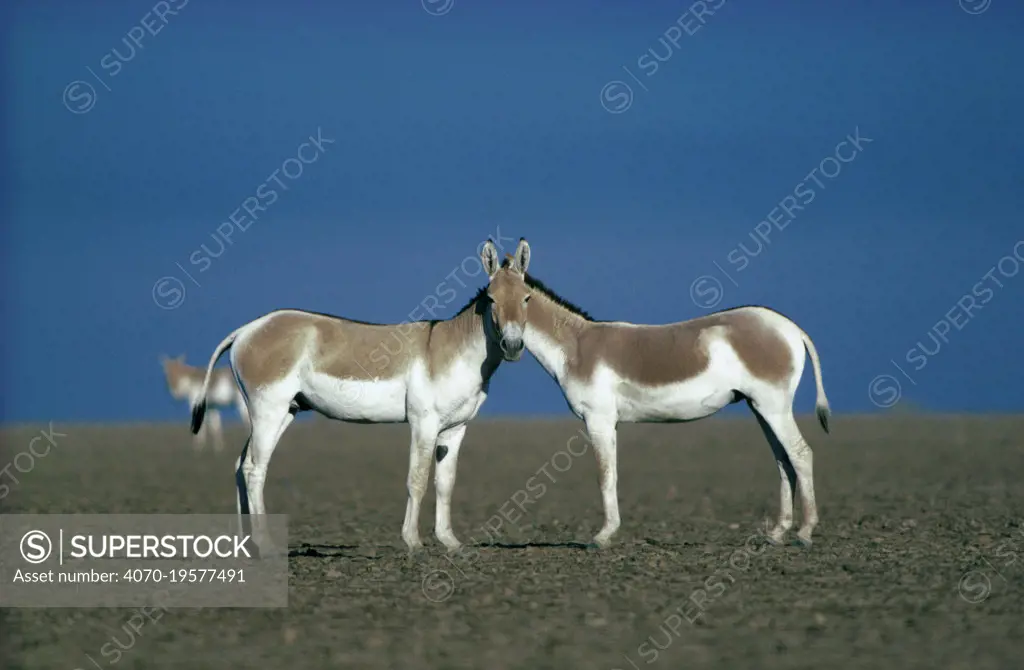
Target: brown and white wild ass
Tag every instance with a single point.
(613, 371)
(433, 375)
(185, 383)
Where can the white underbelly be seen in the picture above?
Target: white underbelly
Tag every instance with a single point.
(382, 401)
(684, 401)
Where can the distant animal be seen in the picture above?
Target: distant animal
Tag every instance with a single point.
(433, 375)
(613, 372)
(185, 383)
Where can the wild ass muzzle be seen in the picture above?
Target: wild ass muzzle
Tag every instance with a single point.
(612, 372)
(185, 382)
(433, 375)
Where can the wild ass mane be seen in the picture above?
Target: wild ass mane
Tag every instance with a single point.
(538, 285)
(481, 295)
(476, 300)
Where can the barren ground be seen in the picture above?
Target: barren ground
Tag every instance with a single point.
(918, 561)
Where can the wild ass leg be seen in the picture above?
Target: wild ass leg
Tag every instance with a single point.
(603, 437)
(216, 429)
(803, 462)
(802, 459)
(424, 437)
(447, 455)
(269, 423)
(199, 439)
(242, 499)
(787, 475)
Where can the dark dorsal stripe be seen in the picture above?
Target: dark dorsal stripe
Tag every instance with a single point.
(329, 316)
(733, 309)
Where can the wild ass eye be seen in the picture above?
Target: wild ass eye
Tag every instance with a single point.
(526, 300)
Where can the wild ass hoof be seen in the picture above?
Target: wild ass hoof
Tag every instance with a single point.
(451, 544)
(600, 543)
(803, 539)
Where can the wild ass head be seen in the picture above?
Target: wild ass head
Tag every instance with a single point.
(507, 295)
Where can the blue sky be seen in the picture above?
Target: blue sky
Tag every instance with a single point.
(447, 128)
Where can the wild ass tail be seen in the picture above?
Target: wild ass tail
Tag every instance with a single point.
(199, 408)
(821, 407)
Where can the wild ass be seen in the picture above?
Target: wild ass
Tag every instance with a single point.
(433, 375)
(185, 382)
(613, 371)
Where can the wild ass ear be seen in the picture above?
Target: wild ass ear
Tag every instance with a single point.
(489, 257)
(521, 260)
